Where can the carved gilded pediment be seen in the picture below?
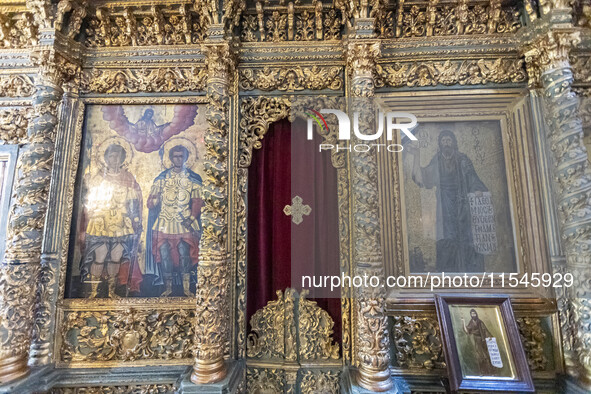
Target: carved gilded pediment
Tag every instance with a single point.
(292, 328)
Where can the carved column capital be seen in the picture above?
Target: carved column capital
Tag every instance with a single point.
(221, 59)
(54, 69)
(548, 52)
(361, 56)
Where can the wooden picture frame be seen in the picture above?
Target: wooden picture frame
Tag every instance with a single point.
(500, 364)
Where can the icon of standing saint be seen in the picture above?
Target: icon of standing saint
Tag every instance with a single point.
(111, 224)
(174, 222)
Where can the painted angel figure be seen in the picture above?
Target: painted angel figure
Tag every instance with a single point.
(145, 135)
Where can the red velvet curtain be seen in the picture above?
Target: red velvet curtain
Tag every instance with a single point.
(289, 165)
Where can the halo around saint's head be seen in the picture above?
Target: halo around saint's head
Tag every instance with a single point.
(171, 143)
(103, 146)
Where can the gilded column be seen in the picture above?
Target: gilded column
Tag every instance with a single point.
(44, 328)
(547, 58)
(211, 325)
(372, 342)
(20, 268)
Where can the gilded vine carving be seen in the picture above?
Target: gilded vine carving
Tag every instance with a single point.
(582, 69)
(288, 24)
(548, 60)
(17, 30)
(435, 18)
(156, 388)
(127, 335)
(451, 72)
(20, 270)
(176, 24)
(292, 78)
(16, 86)
(278, 334)
(417, 343)
(372, 340)
(213, 303)
(533, 337)
(13, 124)
(158, 80)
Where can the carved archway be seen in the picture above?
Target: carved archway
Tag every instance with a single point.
(257, 114)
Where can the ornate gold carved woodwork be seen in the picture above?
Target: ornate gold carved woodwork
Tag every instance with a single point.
(372, 343)
(417, 343)
(14, 85)
(315, 330)
(21, 266)
(291, 79)
(361, 60)
(533, 337)
(548, 59)
(43, 12)
(549, 51)
(310, 23)
(435, 18)
(276, 380)
(320, 382)
(265, 380)
(451, 72)
(213, 303)
(158, 80)
(77, 11)
(173, 24)
(257, 115)
(581, 66)
(278, 332)
(126, 335)
(17, 30)
(582, 13)
(13, 124)
(155, 388)
(19, 269)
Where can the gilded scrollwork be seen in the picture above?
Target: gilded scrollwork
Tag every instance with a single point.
(176, 24)
(417, 343)
(213, 273)
(14, 85)
(548, 64)
(17, 30)
(451, 72)
(320, 382)
(154, 388)
(13, 124)
(157, 80)
(372, 342)
(279, 333)
(315, 331)
(127, 335)
(435, 18)
(288, 24)
(257, 116)
(533, 338)
(292, 78)
(265, 380)
(581, 66)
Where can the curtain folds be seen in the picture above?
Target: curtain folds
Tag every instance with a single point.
(280, 251)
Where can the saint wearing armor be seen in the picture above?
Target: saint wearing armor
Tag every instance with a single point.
(174, 226)
(112, 223)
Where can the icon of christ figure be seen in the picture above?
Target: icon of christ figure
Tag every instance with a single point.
(145, 135)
